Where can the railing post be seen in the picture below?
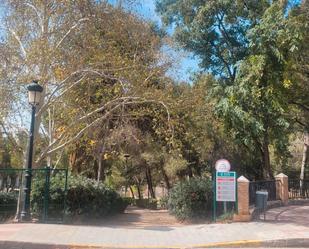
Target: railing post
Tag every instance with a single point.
(283, 187)
(243, 200)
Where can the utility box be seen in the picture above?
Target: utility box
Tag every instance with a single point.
(261, 201)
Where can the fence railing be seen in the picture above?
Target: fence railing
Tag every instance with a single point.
(269, 186)
(298, 189)
(43, 207)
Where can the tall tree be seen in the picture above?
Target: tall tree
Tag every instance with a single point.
(215, 30)
(72, 49)
(246, 42)
(296, 75)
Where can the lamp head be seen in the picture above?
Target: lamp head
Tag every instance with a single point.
(34, 93)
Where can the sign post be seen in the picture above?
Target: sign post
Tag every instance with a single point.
(224, 186)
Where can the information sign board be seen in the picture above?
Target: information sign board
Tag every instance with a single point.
(226, 186)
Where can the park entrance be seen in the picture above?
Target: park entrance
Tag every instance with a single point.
(46, 182)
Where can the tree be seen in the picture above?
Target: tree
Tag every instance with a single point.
(66, 45)
(215, 31)
(297, 77)
(246, 42)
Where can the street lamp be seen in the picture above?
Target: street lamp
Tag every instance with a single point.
(34, 96)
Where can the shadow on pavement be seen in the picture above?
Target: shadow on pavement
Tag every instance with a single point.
(296, 215)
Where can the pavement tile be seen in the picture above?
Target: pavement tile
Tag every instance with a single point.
(280, 229)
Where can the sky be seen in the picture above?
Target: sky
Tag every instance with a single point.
(187, 64)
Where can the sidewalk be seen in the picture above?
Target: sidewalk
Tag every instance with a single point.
(284, 224)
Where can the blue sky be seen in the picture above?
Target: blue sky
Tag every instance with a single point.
(187, 64)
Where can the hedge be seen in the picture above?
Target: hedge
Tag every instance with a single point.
(85, 197)
(8, 205)
(191, 198)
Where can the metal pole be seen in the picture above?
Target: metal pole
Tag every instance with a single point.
(25, 213)
(214, 214)
(236, 186)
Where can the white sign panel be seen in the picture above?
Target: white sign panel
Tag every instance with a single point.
(223, 165)
(226, 186)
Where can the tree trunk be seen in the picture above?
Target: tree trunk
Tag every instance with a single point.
(190, 173)
(132, 192)
(50, 134)
(165, 177)
(99, 168)
(149, 182)
(20, 200)
(304, 159)
(139, 192)
(267, 170)
(72, 159)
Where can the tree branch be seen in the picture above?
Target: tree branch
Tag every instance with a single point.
(38, 15)
(70, 30)
(304, 107)
(22, 48)
(119, 103)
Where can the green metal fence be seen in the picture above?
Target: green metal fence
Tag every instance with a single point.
(48, 193)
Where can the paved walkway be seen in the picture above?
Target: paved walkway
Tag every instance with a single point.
(282, 223)
(140, 218)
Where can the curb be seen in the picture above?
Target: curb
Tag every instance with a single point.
(288, 243)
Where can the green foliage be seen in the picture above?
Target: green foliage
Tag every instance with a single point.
(146, 203)
(248, 43)
(174, 164)
(8, 204)
(297, 69)
(213, 30)
(85, 197)
(129, 200)
(163, 202)
(255, 106)
(93, 199)
(191, 198)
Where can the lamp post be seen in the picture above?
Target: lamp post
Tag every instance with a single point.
(34, 96)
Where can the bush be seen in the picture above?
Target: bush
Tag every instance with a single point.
(129, 200)
(56, 195)
(146, 203)
(163, 202)
(8, 205)
(191, 198)
(93, 199)
(84, 197)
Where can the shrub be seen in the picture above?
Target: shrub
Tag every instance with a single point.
(84, 197)
(163, 202)
(129, 200)
(147, 203)
(191, 198)
(56, 195)
(93, 199)
(8, 205)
